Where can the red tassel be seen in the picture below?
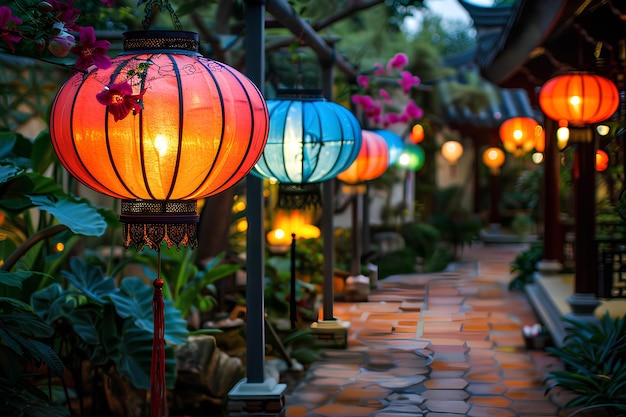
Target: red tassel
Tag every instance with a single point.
(158, 400)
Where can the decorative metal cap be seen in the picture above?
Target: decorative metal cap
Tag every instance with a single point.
(151, 41)
(298, 196)
(152, 222)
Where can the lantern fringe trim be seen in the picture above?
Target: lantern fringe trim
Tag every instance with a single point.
(298, 196)
(152, 222)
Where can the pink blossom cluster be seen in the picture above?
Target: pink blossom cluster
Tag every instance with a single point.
(378, 108)
(50, 26)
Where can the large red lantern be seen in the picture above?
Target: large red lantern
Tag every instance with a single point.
(519, 135)
(579, 98)
(371, 162)
(161, 128)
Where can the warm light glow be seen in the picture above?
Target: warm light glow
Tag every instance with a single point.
(242, 225)
(493, 158)
(562, 137)
(520, 135)
(417, 134)
(288, 222)
(602, 160)
(579, 98)
(452, 151)
(239, 206)
(603, 130)
(59, 247)
(537, 158)
(161, 145)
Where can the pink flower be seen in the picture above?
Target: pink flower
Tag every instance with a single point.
(412, 111)
(362, 101)
(391, 118)
(90, 51)
(65, 13)
(407, 81)
(385, 95)
(363, 81)
(61, 43)
(398, 61)
(379, 69)
(120, 100)
(8, 30)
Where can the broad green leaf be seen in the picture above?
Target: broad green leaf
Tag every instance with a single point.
(43, 154)
(14, 279)
(79, 216)
(7, 142)
(134, 300)
(89, 280)
(8, 172)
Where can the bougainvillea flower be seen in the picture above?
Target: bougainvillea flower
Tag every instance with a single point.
(8, 30)
(120, 100)
(412, 111)
(398, 61)
(90, 51)
(61, 43)
(363, 81)
(379, 69)
(65, 12)
(407, 81)
(385, 95)
(363, 101)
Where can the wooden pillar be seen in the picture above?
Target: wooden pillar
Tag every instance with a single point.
(552, 233)
(585, 214)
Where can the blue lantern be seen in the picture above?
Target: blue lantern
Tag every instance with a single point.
(395, 144)
(310, 141)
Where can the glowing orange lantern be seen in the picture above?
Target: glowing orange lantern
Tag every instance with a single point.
(579, 98)
(602, 160)
(493, 158)
(520, 134)
(452, 151)
(417, 133)
(160, 129)
(371, 162)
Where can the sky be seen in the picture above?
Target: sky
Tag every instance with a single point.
(448, 9)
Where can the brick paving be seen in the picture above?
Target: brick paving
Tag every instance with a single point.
(445, 344)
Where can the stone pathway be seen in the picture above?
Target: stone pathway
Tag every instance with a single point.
(439, 345)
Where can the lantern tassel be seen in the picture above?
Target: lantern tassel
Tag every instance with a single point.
(158, 400)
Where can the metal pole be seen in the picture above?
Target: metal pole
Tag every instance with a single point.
(255, 243)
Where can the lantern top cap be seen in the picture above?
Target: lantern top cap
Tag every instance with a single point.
(152, 41)
(308, 94)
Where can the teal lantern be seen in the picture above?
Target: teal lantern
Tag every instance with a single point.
(310, 141)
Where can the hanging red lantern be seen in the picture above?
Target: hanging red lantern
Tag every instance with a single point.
(371, 162)
(579, 98)
(602, 160)
(160, 129)
(520, 135)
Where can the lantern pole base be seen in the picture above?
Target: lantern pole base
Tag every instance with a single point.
(266, 399)
(331, 333)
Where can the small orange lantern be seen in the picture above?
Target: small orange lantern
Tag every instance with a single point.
(417, 134)
(579, 98)
(602, 160)
(371, 162)
(452, 151)
(519, 135)
(493, 158)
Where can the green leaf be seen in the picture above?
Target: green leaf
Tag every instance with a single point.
(14, 279)
(43, 153)
(134, 300)
(78, 215)
(90, 280)
(8, 172)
